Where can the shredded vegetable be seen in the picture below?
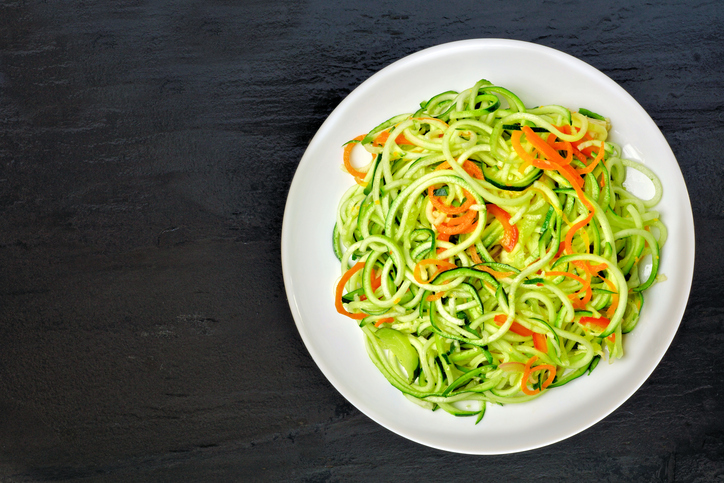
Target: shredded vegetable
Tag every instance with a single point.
(489, 251)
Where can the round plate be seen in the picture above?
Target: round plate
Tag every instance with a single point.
(538, 75)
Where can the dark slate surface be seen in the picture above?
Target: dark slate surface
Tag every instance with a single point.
(146, 149)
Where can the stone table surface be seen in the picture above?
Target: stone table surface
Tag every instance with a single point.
(146, 152)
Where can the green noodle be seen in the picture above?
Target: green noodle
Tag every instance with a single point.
(467, 333)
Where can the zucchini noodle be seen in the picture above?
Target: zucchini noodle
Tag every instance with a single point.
(489, 251)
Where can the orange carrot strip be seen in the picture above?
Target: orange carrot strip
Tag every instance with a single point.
(529, 369)
(375, 282)
(382, 137)
(597, 268)
(457, 220)
(551, 373)
(569, 236)
(593, 164)
(450, 210)
(526, 156)
(585, 290)
(561, 146)
(386, 320)
(467, 219)
(435, 296)
(340, 289)
(565, 129)
(541, 145)
(555, 273)
(492, 272)
(526, 376)
(473, 252)
(473, 170)
(469, 229)
(455, 226)
(555, 159)
(345, 158)
(510, 234)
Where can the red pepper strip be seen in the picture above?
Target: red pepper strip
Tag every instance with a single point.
(510, 234)
(340, 288)
(529, 370)
(515, 328)
(600, 322)
(540, 342)
(347, 164)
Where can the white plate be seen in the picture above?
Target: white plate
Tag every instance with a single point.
(538, 75)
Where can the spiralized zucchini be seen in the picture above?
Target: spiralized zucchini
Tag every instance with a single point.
(490, 251)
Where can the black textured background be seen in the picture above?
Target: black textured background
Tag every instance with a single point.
(146, 150)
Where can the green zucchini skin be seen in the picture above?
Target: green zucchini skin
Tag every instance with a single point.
(491, 177)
